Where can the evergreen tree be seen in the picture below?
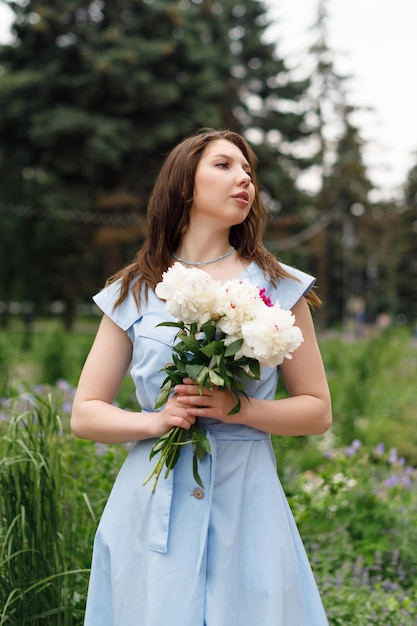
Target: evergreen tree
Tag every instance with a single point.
(343, 179)
(347, 188)
(106, 88)
(95, 92)
(407, 271)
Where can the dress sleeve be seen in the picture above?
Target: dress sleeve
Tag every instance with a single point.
(289, 291)
(124, 315)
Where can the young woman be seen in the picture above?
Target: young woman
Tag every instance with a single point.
(229, 554)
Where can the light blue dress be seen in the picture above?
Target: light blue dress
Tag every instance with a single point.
(228, 555)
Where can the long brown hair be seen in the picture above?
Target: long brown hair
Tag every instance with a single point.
(169, 213)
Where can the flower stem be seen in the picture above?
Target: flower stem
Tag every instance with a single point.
(169, 447)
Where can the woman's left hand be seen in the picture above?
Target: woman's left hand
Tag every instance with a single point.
(215, 403)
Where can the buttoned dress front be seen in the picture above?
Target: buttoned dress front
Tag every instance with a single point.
(226, 555)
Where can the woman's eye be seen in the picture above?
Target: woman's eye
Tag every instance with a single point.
(225, 166)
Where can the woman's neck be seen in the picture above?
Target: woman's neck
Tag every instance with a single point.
(200, 244)
(202, 255)
(216, 257)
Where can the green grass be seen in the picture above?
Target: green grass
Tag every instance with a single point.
(374, 390)
(53, 354)
(374, 396)
(354, 500)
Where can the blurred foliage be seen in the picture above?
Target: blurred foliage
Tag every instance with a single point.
(374, 396)
(407, 270)
(356, 512)
(106, 88)
(94, 94)
(354, 501)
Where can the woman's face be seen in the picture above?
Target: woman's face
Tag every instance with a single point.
(223, 188)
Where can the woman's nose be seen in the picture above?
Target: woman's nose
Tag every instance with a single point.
(244, 178)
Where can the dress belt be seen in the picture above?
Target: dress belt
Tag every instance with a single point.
(162, 497)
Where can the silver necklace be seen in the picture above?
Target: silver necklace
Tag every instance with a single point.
(219, 258)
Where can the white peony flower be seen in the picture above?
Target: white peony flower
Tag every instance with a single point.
(192, 296)
(270, 337)
(239, 303)
(190, 293)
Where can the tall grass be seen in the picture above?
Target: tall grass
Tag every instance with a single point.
(5, 360)
(40, 566)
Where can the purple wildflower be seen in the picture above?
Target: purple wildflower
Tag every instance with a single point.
(100, 448)
(393, 456)
(391, 481)
(64, 385)
(379, 449)
(406, 481)
(67, 407)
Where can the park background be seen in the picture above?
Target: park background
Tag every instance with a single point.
(92, 96)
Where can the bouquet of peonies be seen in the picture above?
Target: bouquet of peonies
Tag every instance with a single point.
(226, 333)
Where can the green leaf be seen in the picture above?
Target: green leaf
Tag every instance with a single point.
(158, 446)
(214, 347)
(236, 408)
(165, 442)
(209, 329)
(163, 394)
(195, 471)
(179, 324)
(190, 343)
(218, 358)
(172, 458)
(223, 369)
(255, 368)
(202, 439)
(238, 385)
(202, 379)
(240, 372)
(194, 371)
(233, 348)
(199, 451)
(180, 364)
(215, 379)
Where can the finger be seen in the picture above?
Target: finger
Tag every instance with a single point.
(189, 389)
(180, 417)
(195, 401)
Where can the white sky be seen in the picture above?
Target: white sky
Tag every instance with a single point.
(375, 42)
